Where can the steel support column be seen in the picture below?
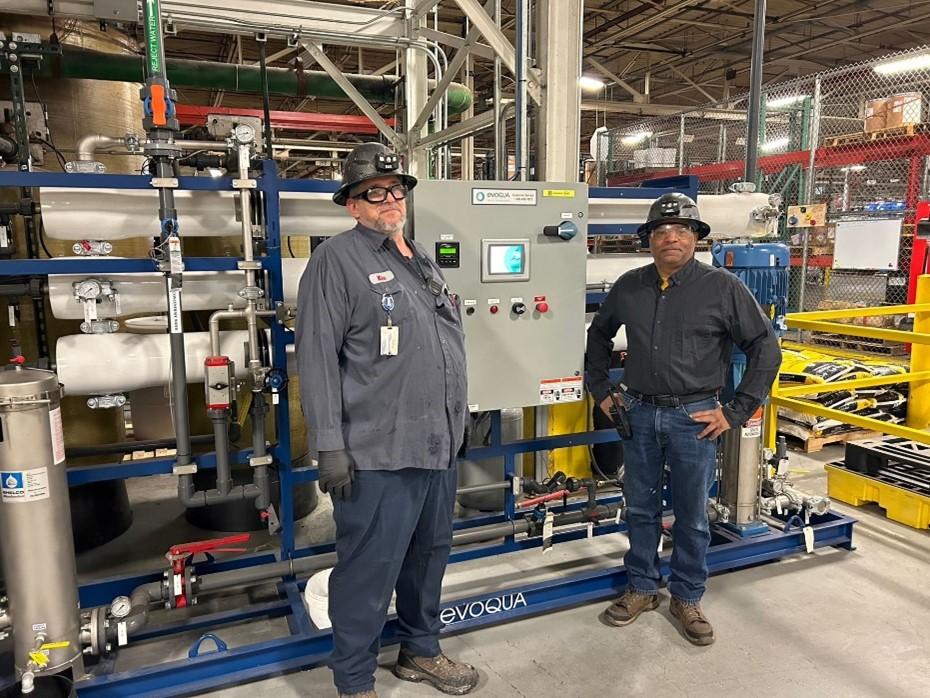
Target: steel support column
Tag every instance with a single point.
(755, 92)
(468, 144)
(415, 94)
(559, 41)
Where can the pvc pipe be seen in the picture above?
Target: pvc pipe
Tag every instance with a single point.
(221, 442)
(88, 146)
(122, 214)
(145, 293)
(102, 364)
(95, 65)
(130, 446)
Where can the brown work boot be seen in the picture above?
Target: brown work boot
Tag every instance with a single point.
(629, 606)
(694, 624)
(440, 672)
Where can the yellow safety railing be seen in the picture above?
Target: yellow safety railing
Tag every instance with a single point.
(918, 403)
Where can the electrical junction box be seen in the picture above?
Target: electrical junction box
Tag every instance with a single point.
(515, 254)
(807, 216)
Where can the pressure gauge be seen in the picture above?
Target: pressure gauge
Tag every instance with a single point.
(244, 133)
(87, 289)
(120, 607)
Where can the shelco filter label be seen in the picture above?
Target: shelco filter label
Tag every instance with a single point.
(24, 485)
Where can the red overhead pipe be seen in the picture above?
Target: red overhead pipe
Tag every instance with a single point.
(191, 115)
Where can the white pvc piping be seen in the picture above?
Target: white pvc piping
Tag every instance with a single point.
(145, 293)
(121, 214)
(101, 364)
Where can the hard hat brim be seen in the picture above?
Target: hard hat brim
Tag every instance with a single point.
(342, 193)
(701, 229)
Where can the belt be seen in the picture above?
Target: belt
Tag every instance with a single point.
(671, 400)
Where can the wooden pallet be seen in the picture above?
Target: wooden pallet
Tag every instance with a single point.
(802, 437)
(882, 134)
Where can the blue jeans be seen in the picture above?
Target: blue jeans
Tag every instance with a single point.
(668, 435)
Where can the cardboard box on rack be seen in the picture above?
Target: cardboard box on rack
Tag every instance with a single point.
(904, 108)
(876, 115)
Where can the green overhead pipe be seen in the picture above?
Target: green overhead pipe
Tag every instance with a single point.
(94, 65)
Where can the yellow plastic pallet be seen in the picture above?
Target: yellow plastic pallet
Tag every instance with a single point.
(899, 504)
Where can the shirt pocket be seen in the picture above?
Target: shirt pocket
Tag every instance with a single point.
(700, 331)
(389, 299)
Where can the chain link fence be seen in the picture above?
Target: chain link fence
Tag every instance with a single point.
(854, 140)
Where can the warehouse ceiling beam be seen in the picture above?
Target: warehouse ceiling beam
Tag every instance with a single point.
(396, 140)
(501, 45)
(455, 65)
(424, 6)
(613, 107)
(457, 42)
(277, 17)
(638, 96)
(456, 132)
(693, 84)
(644, 24)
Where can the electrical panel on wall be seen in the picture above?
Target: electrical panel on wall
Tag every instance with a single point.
(514, 253)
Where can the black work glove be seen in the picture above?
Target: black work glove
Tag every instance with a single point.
(337, 470)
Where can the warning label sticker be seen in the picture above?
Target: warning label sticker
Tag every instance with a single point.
(752, 429)
(554, 390)
(24, 485)
(58, 437)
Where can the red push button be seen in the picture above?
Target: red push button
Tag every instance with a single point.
(493, 309)
(542, 307)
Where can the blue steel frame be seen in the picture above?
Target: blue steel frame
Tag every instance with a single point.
(305, 646)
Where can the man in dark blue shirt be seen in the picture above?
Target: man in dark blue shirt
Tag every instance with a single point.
(682, 320)
(381, 355)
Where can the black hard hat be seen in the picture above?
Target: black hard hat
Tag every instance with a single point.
(367, 161)
(673, 207)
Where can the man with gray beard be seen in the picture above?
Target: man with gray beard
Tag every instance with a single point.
(381, 356)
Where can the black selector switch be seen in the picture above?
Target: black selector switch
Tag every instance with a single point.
(518, 308)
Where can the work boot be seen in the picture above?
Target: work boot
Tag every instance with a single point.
(363, 694)
(694, 624)
(440, 672)
(629, 606)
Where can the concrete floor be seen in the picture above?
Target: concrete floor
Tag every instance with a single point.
(833, 623)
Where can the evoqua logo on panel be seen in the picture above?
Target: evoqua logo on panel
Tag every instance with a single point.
(478, 609)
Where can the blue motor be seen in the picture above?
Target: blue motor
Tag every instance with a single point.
(763, 267)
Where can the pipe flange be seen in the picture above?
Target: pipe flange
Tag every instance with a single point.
(98, 631)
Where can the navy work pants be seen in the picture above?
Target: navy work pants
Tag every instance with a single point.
(393, 533)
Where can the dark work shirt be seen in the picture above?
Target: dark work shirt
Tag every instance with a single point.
(680, 340)
(389, 412)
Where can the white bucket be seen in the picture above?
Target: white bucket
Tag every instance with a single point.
(316, 599)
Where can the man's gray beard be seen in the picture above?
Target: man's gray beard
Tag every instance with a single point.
(387, 229)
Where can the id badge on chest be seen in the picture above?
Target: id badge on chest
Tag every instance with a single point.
(390, 333)
(389, 340)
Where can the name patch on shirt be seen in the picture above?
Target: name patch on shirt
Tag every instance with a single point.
(379, 277)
